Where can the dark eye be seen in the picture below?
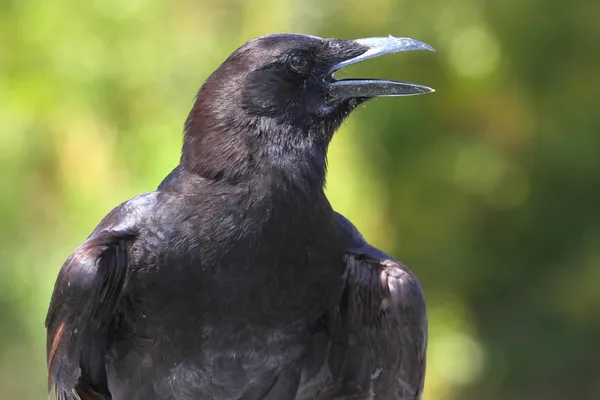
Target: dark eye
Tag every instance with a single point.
(299, 62)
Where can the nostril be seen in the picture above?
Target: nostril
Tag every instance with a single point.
(325, 110)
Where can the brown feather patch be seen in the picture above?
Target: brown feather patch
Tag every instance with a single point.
(56, 339)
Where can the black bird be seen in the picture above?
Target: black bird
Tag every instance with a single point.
(235, 279)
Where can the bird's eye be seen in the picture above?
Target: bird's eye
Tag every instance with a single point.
(299, 62)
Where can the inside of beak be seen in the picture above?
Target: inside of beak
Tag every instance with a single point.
(361, 88)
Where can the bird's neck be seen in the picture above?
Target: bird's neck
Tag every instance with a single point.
(255, 153)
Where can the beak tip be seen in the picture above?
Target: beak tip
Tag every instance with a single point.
(422, 89)
(412, 44)
(423, 46)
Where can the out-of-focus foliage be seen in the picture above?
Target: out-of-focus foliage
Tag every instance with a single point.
(489, 189)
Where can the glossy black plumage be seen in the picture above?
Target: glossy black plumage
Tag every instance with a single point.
(236, 279)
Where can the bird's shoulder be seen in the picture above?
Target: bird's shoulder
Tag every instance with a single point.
(93, 281)
(144, 210)
(386, 278)
(375, 340)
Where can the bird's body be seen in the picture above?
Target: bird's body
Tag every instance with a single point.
(259, 281)
(235, 279)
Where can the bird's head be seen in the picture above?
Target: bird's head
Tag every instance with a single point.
(275, 102)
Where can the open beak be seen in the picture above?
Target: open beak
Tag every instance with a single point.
(367, 88)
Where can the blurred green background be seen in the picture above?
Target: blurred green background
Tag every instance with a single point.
(489, 188)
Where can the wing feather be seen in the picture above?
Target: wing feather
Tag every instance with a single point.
(85, 298)
(377, 336)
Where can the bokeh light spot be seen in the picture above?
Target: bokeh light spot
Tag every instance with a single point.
(461, 358)
(474, 52)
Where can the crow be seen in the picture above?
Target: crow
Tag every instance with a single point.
(235, 279)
